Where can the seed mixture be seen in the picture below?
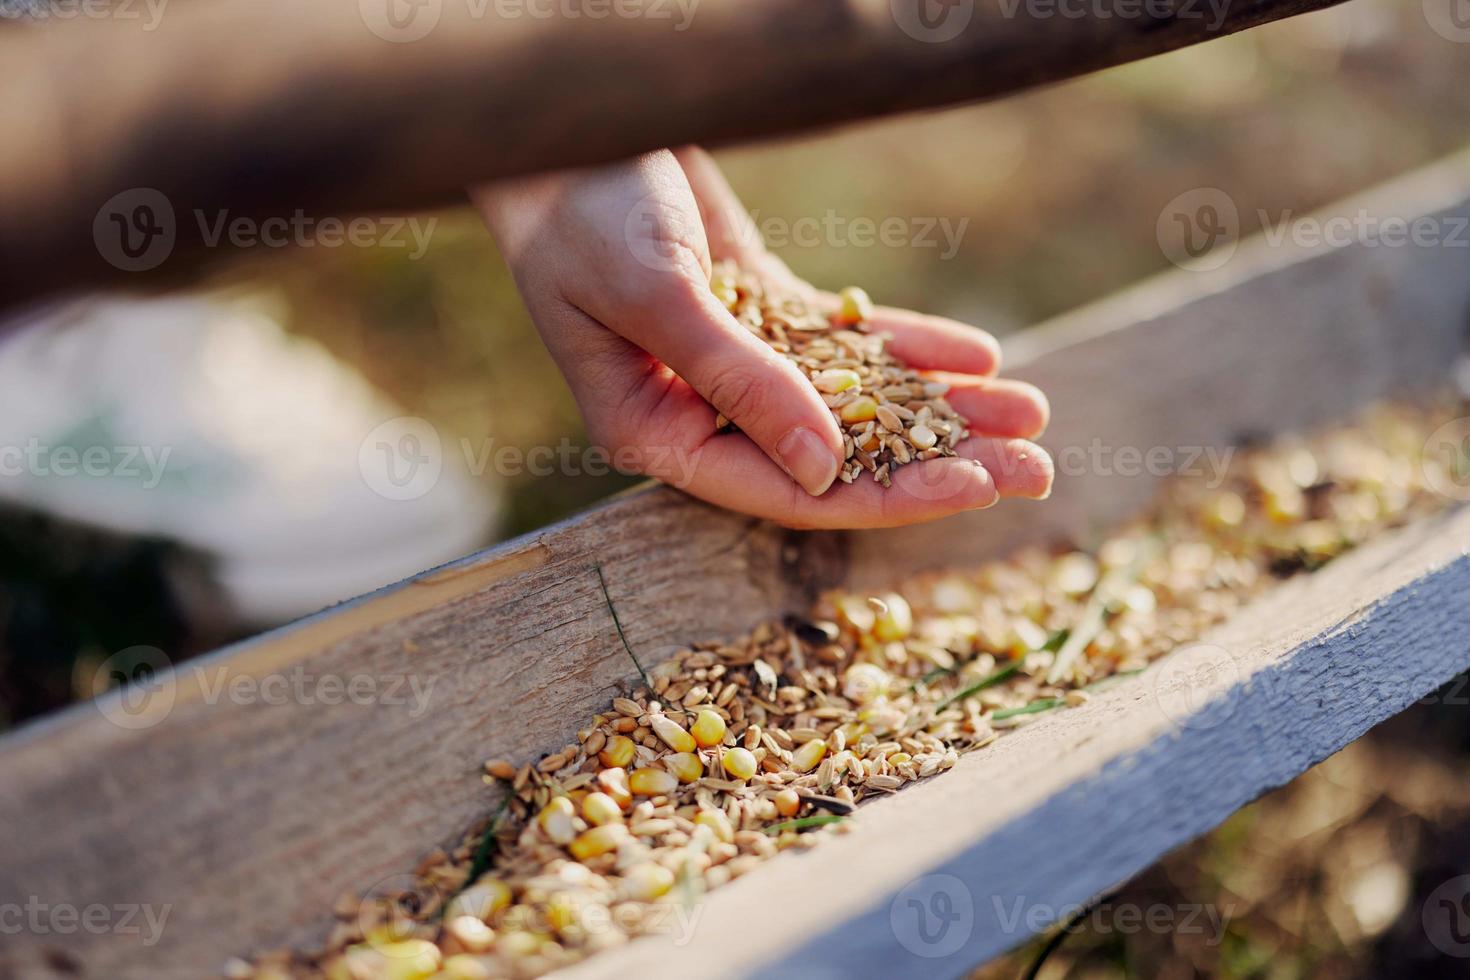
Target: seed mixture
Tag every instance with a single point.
(889, 414)
(735, 752)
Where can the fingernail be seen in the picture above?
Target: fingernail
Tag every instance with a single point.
(804, 455)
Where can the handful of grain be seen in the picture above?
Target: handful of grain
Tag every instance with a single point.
(889, 414)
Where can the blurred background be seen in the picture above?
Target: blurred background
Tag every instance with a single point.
(277, 380)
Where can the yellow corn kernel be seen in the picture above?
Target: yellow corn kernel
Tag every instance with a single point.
(673, 736)
(788, 803)
(645, 882)
(723, 286)
(718, 823)
(652, 782)
(556, 820)
(469, 933)
(1225, 509)
(462, 967)
(598, 841)
(686, 765)
(561, 911)
(856, 306)
(1285, 504)
(739, 763)
(617, 753)
(412, 959)
(805, 759)
(708, 728)
(861, 409)
(836, 379)
(482, 899)
(599, 809)
(614, 782)
(895, 621)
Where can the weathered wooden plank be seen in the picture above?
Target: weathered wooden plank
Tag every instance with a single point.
(1051, 816)
(247, 817)
(377, 105)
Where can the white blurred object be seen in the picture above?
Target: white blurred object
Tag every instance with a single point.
(199, 419)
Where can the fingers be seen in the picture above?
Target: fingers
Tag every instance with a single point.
(1019, 468)
(730, 472)
(997, 406)
(935, 343)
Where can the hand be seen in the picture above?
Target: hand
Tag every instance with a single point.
(614, 266)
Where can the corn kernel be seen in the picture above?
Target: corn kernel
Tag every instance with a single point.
(518, 945)
(412, 959)
(556, 820)
(652, 782)
(836, 379)
(686, 765)
(482, 899)
(805, 759)
(462, 967)
(723, 286)
(865, 683)
(896, 621)
(708, 728)
(599, 809)
(718, 823)
(614, 783)
(617, 753)
(471, 934)
(598, 841)
(739, 763)
(857, 613)
(645, 882)
(673, 736)
(861, 409)
(1225, 510)
(788, 803)
(856, 306)
(922, 436)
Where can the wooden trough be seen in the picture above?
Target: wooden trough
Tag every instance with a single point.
(245, 821)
